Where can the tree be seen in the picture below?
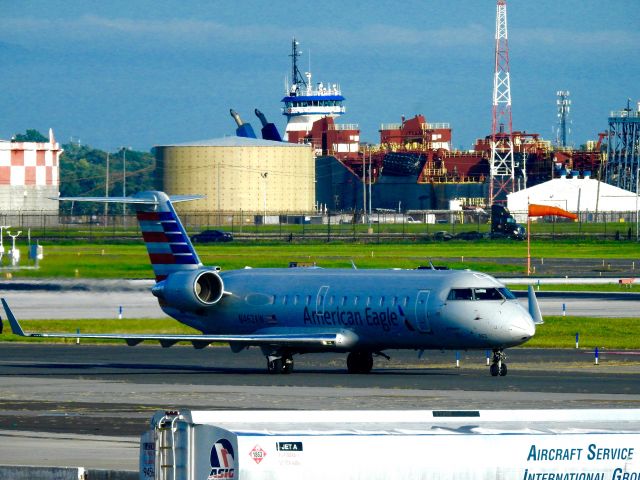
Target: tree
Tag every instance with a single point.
(32, 135)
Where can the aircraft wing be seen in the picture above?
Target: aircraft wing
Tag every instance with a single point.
(334, 338)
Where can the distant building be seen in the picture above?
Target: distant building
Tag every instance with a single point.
(29, 176)
(239, 174)
(579, 195)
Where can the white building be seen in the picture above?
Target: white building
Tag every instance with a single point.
(29, 176)
(578, 195)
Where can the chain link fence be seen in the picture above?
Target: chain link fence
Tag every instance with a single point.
(351, 226)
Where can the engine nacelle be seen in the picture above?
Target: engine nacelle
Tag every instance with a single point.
(190, 290)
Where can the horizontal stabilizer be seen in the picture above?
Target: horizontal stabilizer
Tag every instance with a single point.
(143, 198)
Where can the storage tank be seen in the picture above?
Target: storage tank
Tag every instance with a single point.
(239, 174)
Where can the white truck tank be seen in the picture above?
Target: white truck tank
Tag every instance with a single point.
(392, 444)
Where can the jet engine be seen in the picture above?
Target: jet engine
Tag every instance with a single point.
(190, 290)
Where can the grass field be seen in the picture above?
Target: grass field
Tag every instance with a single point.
(557, 332)
(131, 261)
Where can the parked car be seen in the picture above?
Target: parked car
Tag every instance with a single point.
(471, 235)
(209, 236)
(442, 235)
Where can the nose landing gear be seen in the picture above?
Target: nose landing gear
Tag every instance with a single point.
(279, 364)
(498, 367)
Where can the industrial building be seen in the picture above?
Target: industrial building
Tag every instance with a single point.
(29, 176)
(239, 174)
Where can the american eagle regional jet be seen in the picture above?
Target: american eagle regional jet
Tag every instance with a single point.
(289, 311)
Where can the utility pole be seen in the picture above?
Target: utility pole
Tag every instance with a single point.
(106, 191)
(124, 181)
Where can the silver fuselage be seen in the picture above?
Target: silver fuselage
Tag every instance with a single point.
(385, 309)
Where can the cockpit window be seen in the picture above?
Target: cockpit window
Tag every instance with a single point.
(480, 294)
(487, 294)
(460, 294)
(506, 293)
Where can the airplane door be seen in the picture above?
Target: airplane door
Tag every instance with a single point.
(422, 311)
(320, 299)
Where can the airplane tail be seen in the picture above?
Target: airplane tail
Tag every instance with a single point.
(168, 244)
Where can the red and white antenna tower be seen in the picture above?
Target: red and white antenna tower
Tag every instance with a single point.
(501, 163)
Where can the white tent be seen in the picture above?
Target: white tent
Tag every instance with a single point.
(573, 194)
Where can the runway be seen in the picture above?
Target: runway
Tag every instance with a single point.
(67, 400)
(87, 404)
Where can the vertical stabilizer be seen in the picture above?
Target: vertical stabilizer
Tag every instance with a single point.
(167, 242)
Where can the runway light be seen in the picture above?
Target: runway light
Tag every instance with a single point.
(596, 356)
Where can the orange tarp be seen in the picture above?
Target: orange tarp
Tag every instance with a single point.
(546, 210)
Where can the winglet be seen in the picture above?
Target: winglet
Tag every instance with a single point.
(13, 321)
(534, 308)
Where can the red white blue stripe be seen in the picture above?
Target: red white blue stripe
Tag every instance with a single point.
(169, 247)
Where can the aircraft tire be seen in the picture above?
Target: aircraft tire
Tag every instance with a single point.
(493, 369)
(287, 365)
(503, 370)
(359, 362)
(274, 367)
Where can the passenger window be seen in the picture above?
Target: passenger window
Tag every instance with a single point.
(331, 300)
(308, 300)
(296, 299)
(272, 299)
(381, 301)
(284, 300)
(487, 294)
(405, 302)
(368, 301)
(344, 301)
(355, 300)
(394, 301)
(460, 294)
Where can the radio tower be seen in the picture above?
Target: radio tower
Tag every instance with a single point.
(501, 165)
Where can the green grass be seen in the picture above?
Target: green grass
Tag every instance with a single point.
(581, 287)
(130, 260)
(140, 325)
(557, 332)
(604, 333)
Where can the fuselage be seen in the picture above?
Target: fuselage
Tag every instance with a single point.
(386, 309)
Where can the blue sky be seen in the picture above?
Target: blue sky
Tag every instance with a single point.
(143, 73)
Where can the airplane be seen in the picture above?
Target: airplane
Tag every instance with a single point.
(291, 311)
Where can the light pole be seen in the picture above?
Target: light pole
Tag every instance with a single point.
(106, 190)
(124, 181)
(637, 193)
(264, 196)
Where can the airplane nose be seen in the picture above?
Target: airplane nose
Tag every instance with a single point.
(522, 327)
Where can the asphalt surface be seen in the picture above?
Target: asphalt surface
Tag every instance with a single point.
(87, 404)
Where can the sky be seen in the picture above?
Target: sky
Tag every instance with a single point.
(115, 73)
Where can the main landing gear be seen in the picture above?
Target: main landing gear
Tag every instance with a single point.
(498, 367)
(279, 364)
(359, 362)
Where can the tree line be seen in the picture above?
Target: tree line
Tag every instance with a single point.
(83, 172)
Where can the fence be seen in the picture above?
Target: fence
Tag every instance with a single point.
(343, 226)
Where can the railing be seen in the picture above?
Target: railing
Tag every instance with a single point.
(625, 114)
(344, 126)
